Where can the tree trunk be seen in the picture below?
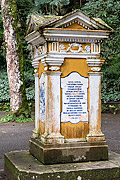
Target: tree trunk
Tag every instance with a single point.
(14, 55)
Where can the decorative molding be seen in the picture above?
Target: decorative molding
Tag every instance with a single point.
(78, 21)
(95, 47)
(61, 35)
(95, 69)
(94, 62)
(71, 55)
(52, 61)
(54, 47)
(35, 64)
(72, 39)
(54, 68)
(38, 50)
(78, 16)
(95, 73)
(79, 46)
(57, 59)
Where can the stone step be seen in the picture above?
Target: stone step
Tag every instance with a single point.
(21, 165)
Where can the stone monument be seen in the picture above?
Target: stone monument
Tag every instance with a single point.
(67, 63)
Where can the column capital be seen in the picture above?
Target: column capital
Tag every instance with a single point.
(95, 62)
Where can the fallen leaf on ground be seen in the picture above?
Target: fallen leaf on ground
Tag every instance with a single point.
(3, 131)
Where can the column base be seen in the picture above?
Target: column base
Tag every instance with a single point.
(94, 138)
(53, 138)
(68, 152)
(35, 133)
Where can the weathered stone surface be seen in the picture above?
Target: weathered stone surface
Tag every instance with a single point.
(21, 165)
(68, 152)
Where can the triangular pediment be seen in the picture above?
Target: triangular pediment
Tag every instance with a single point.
(74, 20)
(81, 21)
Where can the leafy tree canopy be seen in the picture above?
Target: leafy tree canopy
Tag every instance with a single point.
(108, 11)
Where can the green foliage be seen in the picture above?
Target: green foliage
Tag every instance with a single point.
(4, 86)
(23, 116)
(111, 108)
(109, 11)
(19, 119)
(5, 106)
(50, 6)
(2, 56)
(110, 90)
(7, 118)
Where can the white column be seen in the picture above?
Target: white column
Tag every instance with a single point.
(52, 108)
(37, 106)
(95, 133)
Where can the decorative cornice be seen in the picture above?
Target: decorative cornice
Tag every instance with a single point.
(51, 61)
(73, 39)
(35, 38)
(57, 59)
(62, 35)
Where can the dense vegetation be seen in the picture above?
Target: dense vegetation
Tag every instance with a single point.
(107, 10)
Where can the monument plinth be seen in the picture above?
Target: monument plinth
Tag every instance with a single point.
(66, 58)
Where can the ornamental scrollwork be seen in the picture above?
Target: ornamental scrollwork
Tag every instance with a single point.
(79, 46)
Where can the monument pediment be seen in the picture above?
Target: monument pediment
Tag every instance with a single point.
(73, 20)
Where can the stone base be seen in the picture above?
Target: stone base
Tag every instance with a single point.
(21, 165)
(53, 138)
(68, 152)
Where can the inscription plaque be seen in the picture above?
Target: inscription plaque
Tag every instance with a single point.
(42, 98)
(74, 98)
